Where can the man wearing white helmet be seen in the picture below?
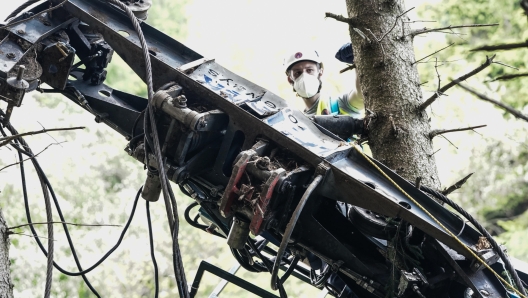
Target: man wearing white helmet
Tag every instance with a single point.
(304, 70)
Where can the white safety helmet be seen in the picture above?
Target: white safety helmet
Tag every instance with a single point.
(306, 55)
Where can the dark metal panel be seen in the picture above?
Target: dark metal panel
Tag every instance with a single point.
(40, 27)
(117, 109)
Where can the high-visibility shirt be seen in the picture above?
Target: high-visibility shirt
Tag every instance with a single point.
(349, 103)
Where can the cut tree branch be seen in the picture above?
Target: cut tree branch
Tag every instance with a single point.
(456, 186)
(5, 140)
(340, 18)
(502, 47)
(505, 107)
(62, 222)
(436, 132)
(510, 76)
(427, 30)
(437, 94)
(350, 67)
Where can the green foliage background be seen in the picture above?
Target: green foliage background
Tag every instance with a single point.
(96, 181)
(498, 191)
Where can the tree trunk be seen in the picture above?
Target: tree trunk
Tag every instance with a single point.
(391, 88)
(6, 286)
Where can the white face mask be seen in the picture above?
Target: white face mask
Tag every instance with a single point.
(306, 85)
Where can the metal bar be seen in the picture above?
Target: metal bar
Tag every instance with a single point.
(204, 266)
(220, 287)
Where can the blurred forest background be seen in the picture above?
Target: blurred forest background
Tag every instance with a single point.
(96, 181)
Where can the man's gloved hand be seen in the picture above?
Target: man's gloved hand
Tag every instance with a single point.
(345, 54)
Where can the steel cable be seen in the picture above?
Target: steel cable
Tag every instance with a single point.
(483, 231)
(167, 191)
(153, 257)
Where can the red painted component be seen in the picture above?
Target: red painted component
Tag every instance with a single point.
(261, 212)
(231, 192)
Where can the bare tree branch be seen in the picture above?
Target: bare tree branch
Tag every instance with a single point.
(432, 54)
(436, 132)
(5, 140)
(431, 99)
(16, 163)
(510, 76)
(449, 141)
(427, 30)
(456, 186)
(62, 222)
(505, 107)
(350, 67)
(22, 234)
(502, 47)
(340, 18)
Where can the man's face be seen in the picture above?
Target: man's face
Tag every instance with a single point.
(308, 67)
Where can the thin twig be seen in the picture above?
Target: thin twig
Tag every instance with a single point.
(22, 234)
(438, 75)
(5, 140)
(427, 30)
(436, 132)
(502, 47)
(35, 15)
(360, 33)
(431, 99)
(431, 155)
(504, 64)
(456, 186)
(395, 23)
(63, 222)
(449, 141)
(29, 157)
(505, 107)
(442, 61)
(510, 76)
(432, 54)
(419, 21)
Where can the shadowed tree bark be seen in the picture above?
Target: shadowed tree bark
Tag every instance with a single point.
(384, 57)
(6, 286)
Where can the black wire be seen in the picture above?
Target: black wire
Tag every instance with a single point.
(195, 224)
(290, 270)
(269, 266)
(142, 114)
(242, 262)
(483, 231)
(55, 201)
(26, 202)
(275, 281)
(151, 240)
